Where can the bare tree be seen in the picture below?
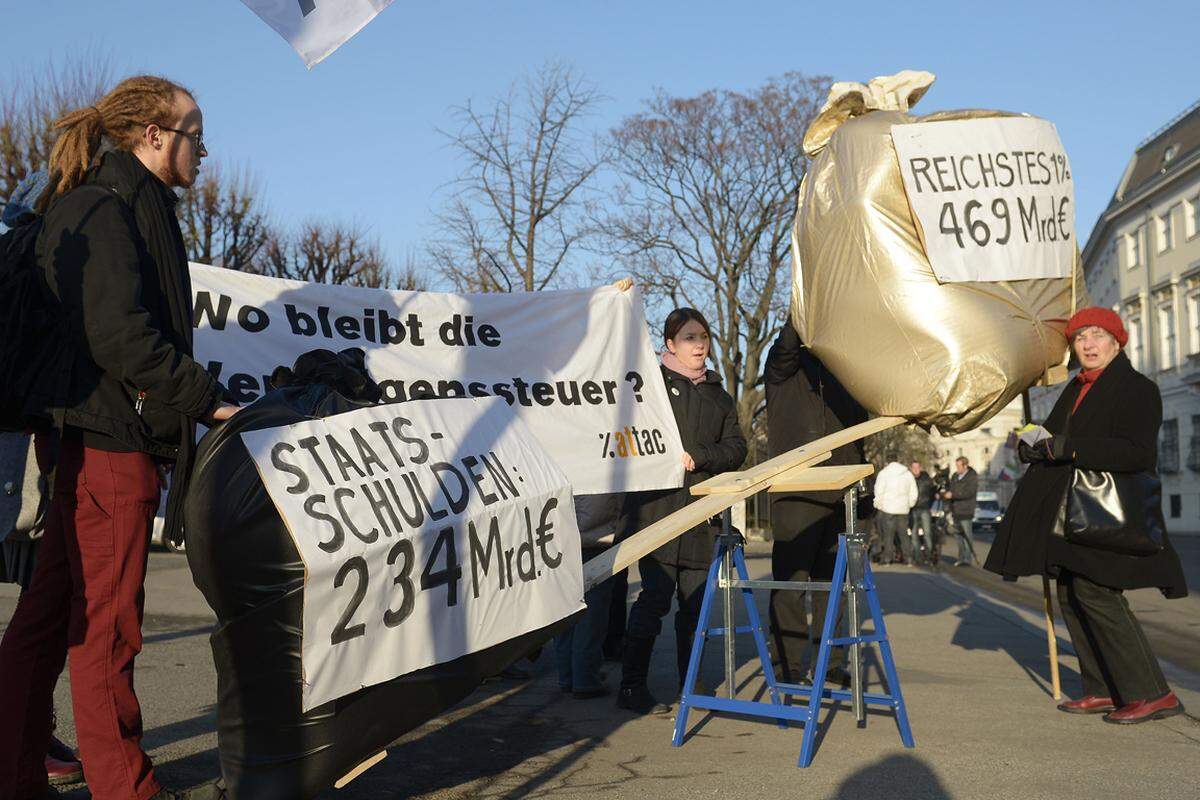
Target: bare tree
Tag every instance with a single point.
(516, 214)
(908, 442)
(223, 217)
(30, 104)
(703, 212)
(409, 278)
(327, 253)
(223, 221)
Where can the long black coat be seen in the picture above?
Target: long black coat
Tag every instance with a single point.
(805, 402)
(708, 426)
(1115, 429)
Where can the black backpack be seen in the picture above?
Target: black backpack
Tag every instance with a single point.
(33, 337)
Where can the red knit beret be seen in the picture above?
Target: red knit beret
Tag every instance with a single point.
(1101, 318)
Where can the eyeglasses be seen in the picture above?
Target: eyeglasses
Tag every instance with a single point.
(197, 137)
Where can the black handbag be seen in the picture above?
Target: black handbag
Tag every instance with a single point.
(1116, 511)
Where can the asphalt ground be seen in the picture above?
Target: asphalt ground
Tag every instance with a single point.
(971, 653)
(1172, 626)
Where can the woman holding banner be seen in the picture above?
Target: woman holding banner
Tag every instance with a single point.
(712, 443)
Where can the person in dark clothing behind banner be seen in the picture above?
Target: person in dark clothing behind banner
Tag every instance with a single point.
(1107, 419)
(116, 267)
(580, 651)
(964, 485)
(804, 402)
(921, 516)
(712, 443)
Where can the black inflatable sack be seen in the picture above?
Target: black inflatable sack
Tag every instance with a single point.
(244, 561)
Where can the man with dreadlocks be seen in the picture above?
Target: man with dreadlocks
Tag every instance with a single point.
(125, 407)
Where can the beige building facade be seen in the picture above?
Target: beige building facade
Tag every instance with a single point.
(1143, 261)
(988, 449)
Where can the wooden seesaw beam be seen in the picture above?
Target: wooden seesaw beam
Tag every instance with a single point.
(820, 479)
(721, 492)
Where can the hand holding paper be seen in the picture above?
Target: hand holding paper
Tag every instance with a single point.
(1032, 434)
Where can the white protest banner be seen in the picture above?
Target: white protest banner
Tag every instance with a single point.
(315, 28)
(428, 530)
(577, 366)
(994, 198)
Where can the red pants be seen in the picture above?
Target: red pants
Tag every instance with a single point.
(86, 600)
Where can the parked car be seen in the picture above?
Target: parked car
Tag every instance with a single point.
(988, 513)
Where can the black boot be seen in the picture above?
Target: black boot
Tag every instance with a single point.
(635, 667)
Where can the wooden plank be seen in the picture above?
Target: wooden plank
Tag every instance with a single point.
(740, 486)
(360, 769)
(817, 479)
(737, 481)
(707, 488)
(650, 538)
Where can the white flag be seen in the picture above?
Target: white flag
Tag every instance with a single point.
(315, 28)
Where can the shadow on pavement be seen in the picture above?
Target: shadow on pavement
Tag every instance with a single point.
(902, 777)
(983, 624)
(514, 740)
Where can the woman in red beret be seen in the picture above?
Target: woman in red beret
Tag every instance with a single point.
(1106, 419)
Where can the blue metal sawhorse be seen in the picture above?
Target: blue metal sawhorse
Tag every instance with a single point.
(851, 576)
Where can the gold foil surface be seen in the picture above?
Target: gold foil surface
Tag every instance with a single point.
(866, 301)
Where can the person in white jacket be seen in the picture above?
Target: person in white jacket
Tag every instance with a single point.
(895, 495)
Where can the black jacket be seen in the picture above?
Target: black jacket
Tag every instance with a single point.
(805, 402)
(925, 492)
(1116, 429)
(708, 425)
(116, 265)
(115, 262)
(962, 494)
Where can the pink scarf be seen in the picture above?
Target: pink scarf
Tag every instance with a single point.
(672, 362)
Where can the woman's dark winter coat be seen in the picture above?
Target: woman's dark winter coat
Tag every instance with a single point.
(708, 425)
(1115, 429)
(116, 265)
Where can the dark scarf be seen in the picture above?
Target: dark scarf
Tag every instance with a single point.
(153, 205)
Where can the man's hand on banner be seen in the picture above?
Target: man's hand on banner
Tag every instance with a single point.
(222, 412)
(689, 463)
(625, 284)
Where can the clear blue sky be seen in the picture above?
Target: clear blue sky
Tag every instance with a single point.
(355, 139)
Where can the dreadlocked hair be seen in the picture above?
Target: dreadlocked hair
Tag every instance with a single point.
(120, 116)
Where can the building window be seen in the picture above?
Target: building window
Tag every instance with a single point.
(1193, 461)
(1133, 248)
(1191, 216)
(1170, 153)
(1134, 326)
(1166, 338)
(1166, 234)
(1176, 506)
(1168, 447)
(1193, 312)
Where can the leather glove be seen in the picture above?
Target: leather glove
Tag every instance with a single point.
(1032, 454)
(1058, 448)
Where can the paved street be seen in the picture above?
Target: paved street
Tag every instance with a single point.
(972, 660)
